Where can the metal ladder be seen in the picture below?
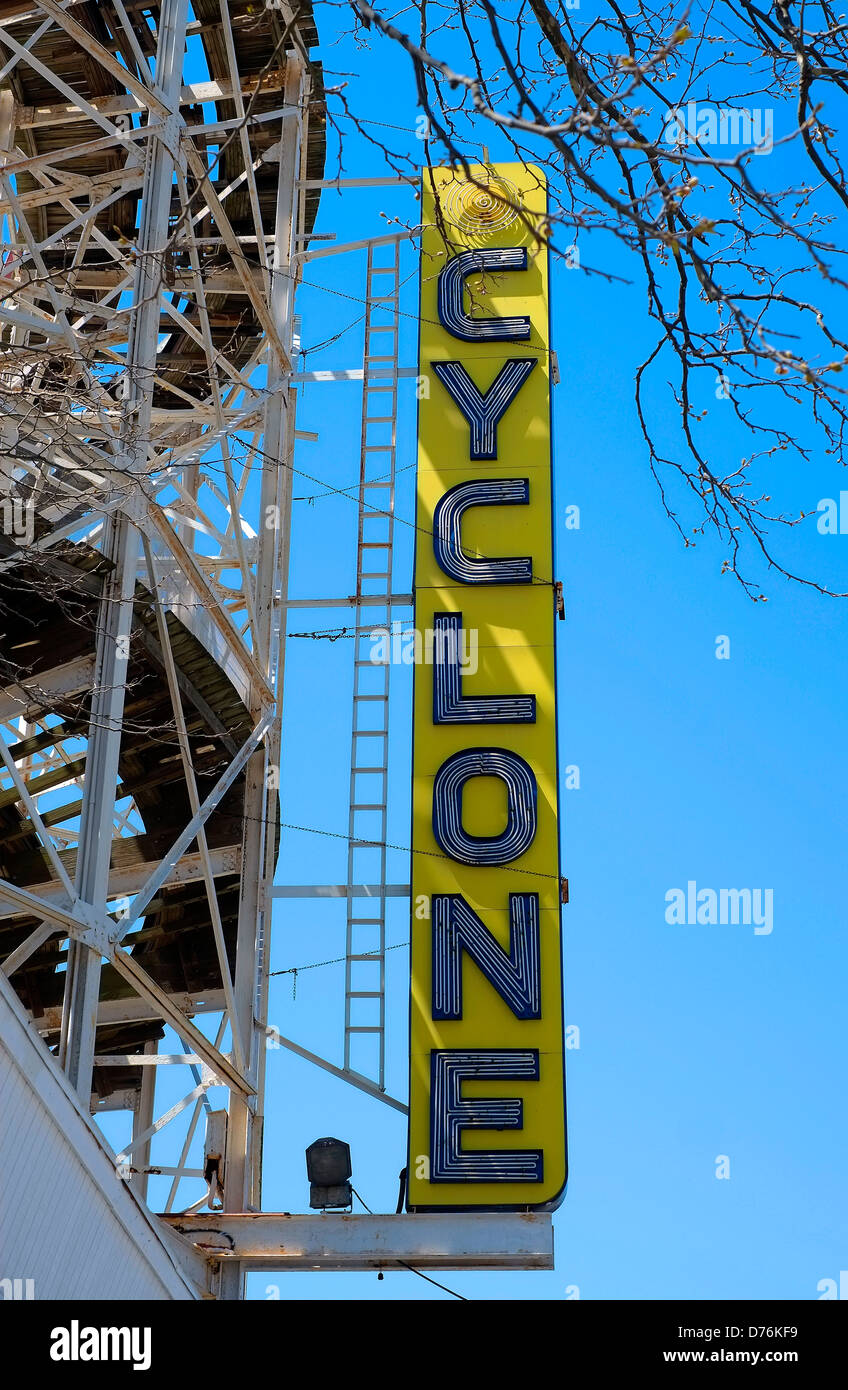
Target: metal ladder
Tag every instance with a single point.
(365, 949)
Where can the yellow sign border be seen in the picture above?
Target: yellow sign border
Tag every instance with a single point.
(515, 653)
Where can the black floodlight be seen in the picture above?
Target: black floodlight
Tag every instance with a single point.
(328, 1169)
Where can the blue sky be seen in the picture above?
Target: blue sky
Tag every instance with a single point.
(696, 1042)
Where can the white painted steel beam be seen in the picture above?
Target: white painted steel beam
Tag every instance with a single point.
(364, 601)
(341, 184)
(340, 890)
(320, 252)
(326, 374)
(243, 1154)
(460, 1240)
(346, 1074)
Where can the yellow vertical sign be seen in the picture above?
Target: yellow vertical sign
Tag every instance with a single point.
(487, 1105)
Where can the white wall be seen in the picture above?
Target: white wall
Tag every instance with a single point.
(67, 1222)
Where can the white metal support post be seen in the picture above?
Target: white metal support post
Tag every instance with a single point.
(121, 549)
(242, 1189)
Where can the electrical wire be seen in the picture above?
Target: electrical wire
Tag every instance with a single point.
(295, 970)
(411, 1268)
(387, 844)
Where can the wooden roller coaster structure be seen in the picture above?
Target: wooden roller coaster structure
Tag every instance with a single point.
(157, 176)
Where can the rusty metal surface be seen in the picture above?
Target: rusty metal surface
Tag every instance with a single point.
(333, 1241)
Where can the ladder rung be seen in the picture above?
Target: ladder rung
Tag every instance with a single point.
(375, 1029)
(364, 994)
(368, 769)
